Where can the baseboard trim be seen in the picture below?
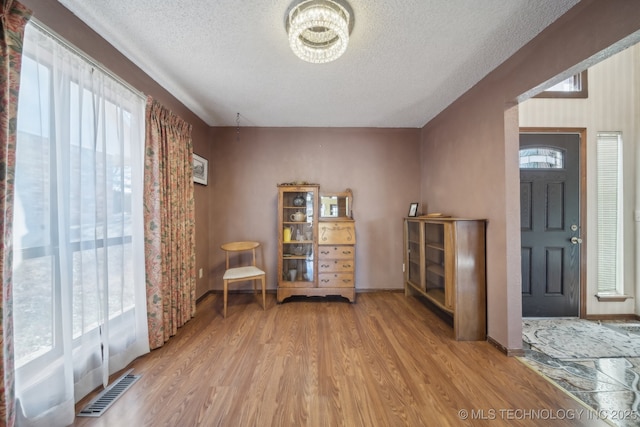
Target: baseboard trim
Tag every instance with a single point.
(231, 292)
(367, 291)
(273, 291)
(511, 352)
(203, 296)
(612, 317)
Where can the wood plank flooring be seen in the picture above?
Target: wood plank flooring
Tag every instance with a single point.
(386, 360)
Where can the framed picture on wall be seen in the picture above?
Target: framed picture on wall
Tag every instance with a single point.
(200, 169)
(413, 209)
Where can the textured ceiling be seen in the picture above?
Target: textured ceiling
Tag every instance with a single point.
(406, 61)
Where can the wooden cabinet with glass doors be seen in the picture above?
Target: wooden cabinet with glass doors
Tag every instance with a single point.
(300, 249)
(445, 263)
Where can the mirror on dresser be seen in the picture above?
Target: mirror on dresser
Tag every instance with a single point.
(336, 205)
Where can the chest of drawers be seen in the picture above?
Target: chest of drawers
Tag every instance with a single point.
(336, 256)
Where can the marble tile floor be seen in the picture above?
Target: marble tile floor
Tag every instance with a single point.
(611, 386)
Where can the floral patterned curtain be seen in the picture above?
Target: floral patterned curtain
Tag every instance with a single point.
(13, 18)
(169, 223)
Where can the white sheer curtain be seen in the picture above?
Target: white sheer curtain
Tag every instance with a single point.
(79, 286)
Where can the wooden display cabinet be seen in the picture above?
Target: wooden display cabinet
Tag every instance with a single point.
(445, 262)
(316, 251)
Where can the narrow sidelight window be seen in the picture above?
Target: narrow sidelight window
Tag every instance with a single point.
(609, 195)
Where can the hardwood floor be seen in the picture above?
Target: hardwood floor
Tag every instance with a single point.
(386, 360)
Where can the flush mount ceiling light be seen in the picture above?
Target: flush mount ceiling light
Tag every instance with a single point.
(318, 30)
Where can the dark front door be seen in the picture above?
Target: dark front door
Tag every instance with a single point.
(550, 227)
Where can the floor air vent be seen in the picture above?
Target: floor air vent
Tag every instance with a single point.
(109, 395)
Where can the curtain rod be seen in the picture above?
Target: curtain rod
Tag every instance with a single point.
(42, 27)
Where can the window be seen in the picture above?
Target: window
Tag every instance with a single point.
(609, 221)
(78, 271)
(541, 158)
(575, 86)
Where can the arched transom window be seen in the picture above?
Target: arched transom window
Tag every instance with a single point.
(541, 158)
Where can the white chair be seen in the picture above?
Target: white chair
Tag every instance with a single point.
(242, 273)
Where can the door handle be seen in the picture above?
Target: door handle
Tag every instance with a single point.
(576, 240)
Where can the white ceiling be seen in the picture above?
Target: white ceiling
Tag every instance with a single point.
(407, 60)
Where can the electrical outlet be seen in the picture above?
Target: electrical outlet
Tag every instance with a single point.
(403, 267)
(200, 274)
(636, 216)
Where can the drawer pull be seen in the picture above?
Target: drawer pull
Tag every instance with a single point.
(346, 252)
(346, 265)
(325, 280)
(325, 252)
(325, 265)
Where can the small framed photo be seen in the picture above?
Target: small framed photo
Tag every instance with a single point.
(413, 209)
(200, 169)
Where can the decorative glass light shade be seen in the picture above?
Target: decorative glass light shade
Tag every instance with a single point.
(318, 30)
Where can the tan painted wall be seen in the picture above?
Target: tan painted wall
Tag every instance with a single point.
(469, 152)
(381, 166)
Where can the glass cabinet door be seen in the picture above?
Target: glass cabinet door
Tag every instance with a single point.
(435, 263)
(413, 253)
(298, 236)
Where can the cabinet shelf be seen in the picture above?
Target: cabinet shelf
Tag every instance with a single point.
(436, 269)
(436, 296)
(435, 245)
